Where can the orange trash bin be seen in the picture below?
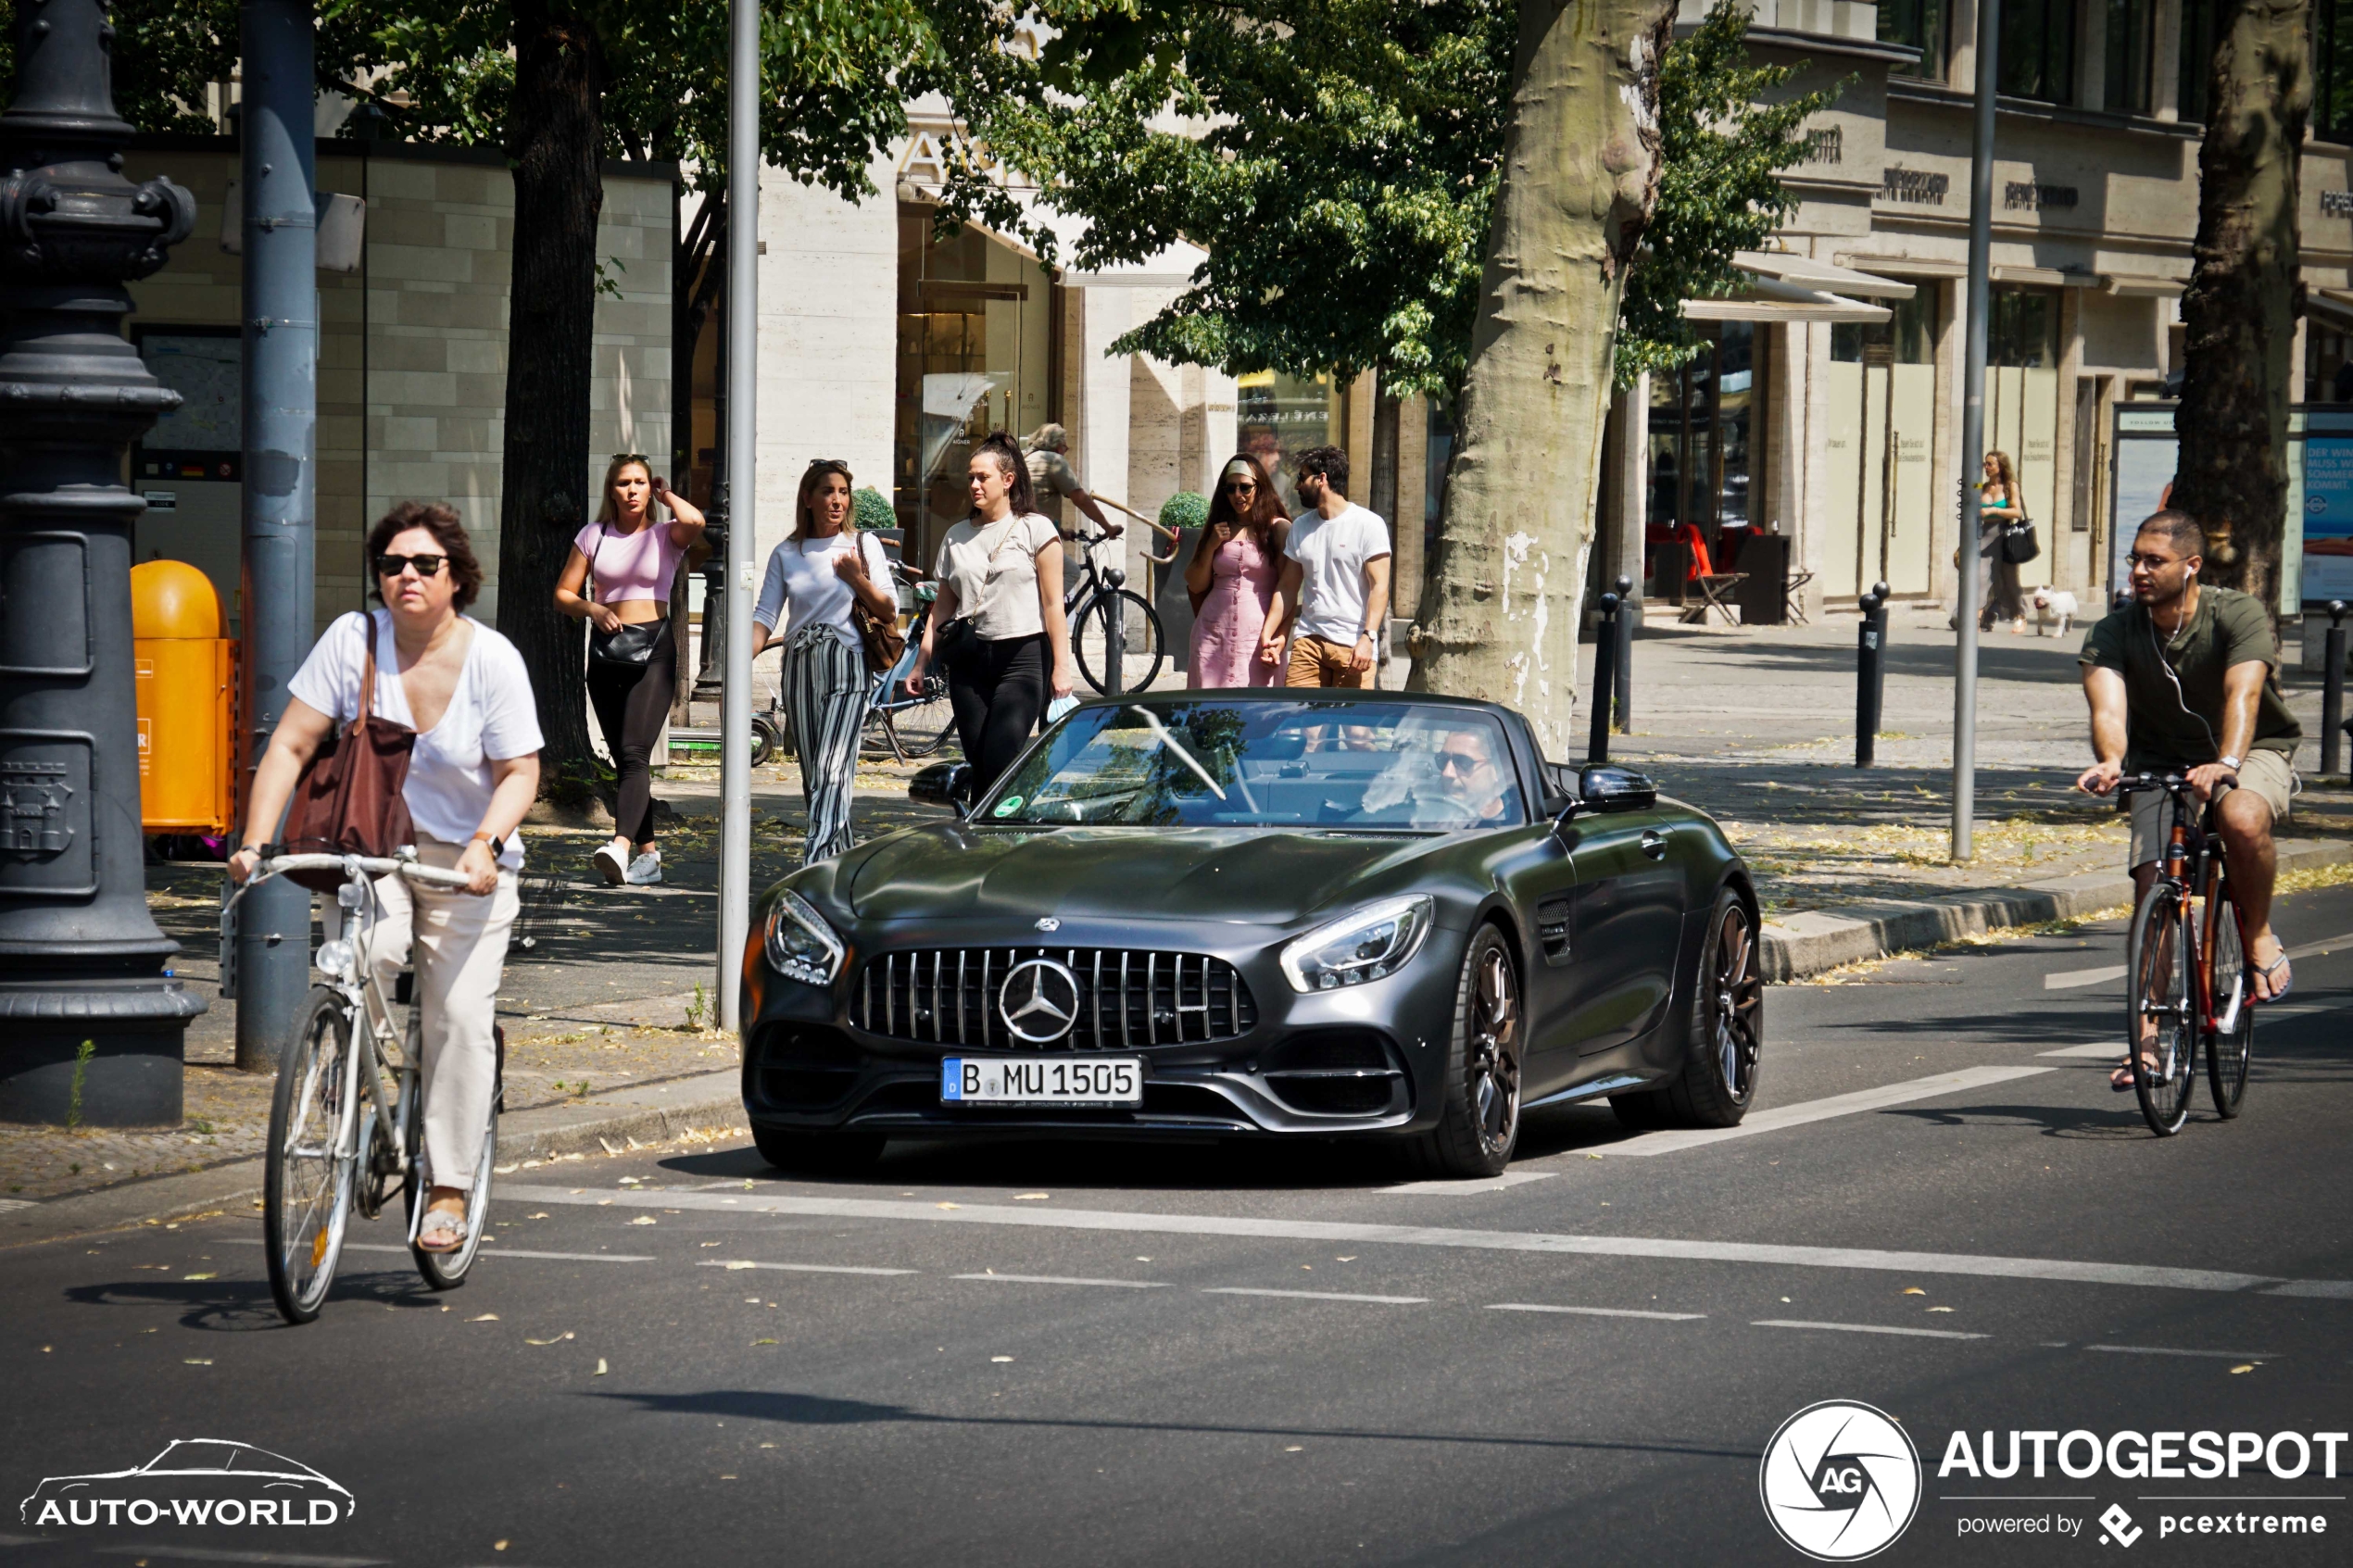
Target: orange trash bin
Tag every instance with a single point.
(187, 683)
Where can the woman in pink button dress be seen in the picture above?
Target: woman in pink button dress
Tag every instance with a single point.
(1232, 578)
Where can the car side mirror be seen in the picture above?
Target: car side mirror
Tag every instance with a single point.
(943, 784)
(1617, 789)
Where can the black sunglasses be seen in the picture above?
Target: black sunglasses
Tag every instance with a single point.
(392, 566)
(1458, 762)
(1240, 486)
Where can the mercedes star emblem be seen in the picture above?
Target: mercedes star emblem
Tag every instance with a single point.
(1038, 1002)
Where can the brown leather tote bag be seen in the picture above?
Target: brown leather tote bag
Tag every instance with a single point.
(347, 800)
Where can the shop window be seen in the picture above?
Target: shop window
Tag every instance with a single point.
(1907, 337)
(2197, 57)
(2328, 364)
(1915, 24)
(1277, 417)
(2332, 71)
(2023, 329)
(1701, 416)
(2131, 39)
(2038, 50)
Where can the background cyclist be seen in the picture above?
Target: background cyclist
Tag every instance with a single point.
(2181, 680)
(472, 773)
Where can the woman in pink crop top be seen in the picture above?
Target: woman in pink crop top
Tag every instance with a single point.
(618, 580)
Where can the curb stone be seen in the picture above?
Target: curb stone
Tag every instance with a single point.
(605, 1125)
(1808, 943)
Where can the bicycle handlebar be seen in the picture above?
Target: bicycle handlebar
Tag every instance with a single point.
(375, 865)
(2173, 784)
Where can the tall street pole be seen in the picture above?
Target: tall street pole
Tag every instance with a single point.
(281, 426)
(1972, 453)
(743, 490)
(92, 1026)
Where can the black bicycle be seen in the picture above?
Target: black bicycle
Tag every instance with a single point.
(2187, 969)
(1115, 632)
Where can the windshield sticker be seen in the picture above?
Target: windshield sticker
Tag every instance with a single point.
(1007, 806)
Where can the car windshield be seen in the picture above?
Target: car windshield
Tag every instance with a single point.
(1267, 763)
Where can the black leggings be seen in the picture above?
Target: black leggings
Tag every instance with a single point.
(997, 691)
(632, 701)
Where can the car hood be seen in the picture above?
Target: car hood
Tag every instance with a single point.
(1249, 875)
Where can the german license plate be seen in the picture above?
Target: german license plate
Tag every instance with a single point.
(1063, 1080)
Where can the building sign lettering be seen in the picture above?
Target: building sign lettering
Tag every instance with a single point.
(2026, 195)
(1914, 185)
(2336, 204)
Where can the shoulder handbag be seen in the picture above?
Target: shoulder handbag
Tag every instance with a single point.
(347, 800)
(2018, 543)
(878, 635)
(632, 643)
(959, 638)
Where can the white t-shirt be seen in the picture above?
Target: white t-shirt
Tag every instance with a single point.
(801, 578)
(1332, 554)
(490, 716)
(993, 570)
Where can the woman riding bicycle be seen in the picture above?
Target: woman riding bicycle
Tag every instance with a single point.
(472, 773)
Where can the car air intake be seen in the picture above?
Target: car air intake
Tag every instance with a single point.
(1127, 998)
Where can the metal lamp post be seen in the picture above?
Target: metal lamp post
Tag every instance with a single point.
(91, 1025)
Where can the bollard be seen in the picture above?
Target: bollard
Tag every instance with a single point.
(1625, 616)
(1870, 673)
(2333, 691)
(1604, 681)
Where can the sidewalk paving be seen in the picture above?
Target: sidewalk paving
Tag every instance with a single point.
(1755, 725)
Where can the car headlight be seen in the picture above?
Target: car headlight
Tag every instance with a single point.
(799, 942)
(1375, 941)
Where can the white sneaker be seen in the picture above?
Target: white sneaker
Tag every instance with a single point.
(645, 870)
(608, 859)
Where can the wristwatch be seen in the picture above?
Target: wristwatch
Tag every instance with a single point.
(2233, 763)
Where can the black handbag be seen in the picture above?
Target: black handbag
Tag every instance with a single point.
(630, 646)
(2018, 543)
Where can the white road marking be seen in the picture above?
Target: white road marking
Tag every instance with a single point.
(495, 1251)
(2115, 1048)
(1135, 1221)
(2168, 1350)
(1063, 1279)
(214, 1554)
(798, 1268)
(1869, 1328)
(1318, 1296)
(2325, 944)
(2338, 1289)
(2070, 979)
(1475, 1183)
(10, 1204)
(1773, 1120)
(1593, 1311)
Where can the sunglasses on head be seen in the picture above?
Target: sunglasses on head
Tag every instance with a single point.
(392, 566)
(631, 458)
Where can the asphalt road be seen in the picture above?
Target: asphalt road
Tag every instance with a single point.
(1084, 1354)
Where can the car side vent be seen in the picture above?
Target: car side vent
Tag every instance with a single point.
(1552, 929)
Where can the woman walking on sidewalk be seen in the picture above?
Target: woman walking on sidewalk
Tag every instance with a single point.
(1999, 504)
(824, 566)
(1232, 579)
(618, 580)
(997, 628)
(474, 771)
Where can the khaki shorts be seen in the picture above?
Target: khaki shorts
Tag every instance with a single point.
(1318, 661)
(2266, 777)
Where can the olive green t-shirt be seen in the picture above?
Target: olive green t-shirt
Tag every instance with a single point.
(2175, 721)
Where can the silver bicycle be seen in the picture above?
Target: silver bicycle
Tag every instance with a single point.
(345, 1123)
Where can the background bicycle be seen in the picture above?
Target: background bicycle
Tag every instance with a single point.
(2186, 967)
(896, 726)
(1115, 632)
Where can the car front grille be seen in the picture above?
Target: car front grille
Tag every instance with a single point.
(1127, 997)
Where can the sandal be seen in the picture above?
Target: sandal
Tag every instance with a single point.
(444, 1231)
(2269, 974)
(2120, 1080)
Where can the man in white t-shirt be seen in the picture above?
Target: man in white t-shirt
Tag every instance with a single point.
(1335, 582)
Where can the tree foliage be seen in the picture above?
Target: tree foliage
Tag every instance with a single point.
(1338, 160)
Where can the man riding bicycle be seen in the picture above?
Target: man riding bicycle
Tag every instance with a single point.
(2181, 681)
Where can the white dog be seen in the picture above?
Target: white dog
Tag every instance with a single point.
(2054, 604)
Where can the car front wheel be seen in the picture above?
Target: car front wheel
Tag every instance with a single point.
(1479, 1121)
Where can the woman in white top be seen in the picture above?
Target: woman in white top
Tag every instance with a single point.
(998, 614)
(820, 569)
(472, 773)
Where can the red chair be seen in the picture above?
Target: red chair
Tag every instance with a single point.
(1713, 585)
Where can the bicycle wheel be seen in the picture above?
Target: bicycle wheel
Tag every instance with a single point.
(1141, 650)
(306, 1202)
(922, 727)
(2231, 1047)
(770, 736)
(2161, 952)
(447, 1271)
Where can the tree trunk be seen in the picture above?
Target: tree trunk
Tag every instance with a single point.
(1581, 176)
(555, 135)
(2239, 312)
(1383, 496)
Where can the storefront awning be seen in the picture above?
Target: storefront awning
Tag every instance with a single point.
(1808, 272)
(1767, 299)
(2049, 277)
(2142, 286)
(1905, 266)
(2331, 307)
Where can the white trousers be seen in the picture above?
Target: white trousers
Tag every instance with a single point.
(460, 944)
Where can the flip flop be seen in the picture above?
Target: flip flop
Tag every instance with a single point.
(2270, 972)
(2125, 1067)
(443, 1231)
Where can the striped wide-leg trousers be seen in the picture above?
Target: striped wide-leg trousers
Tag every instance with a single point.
(826, 693)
